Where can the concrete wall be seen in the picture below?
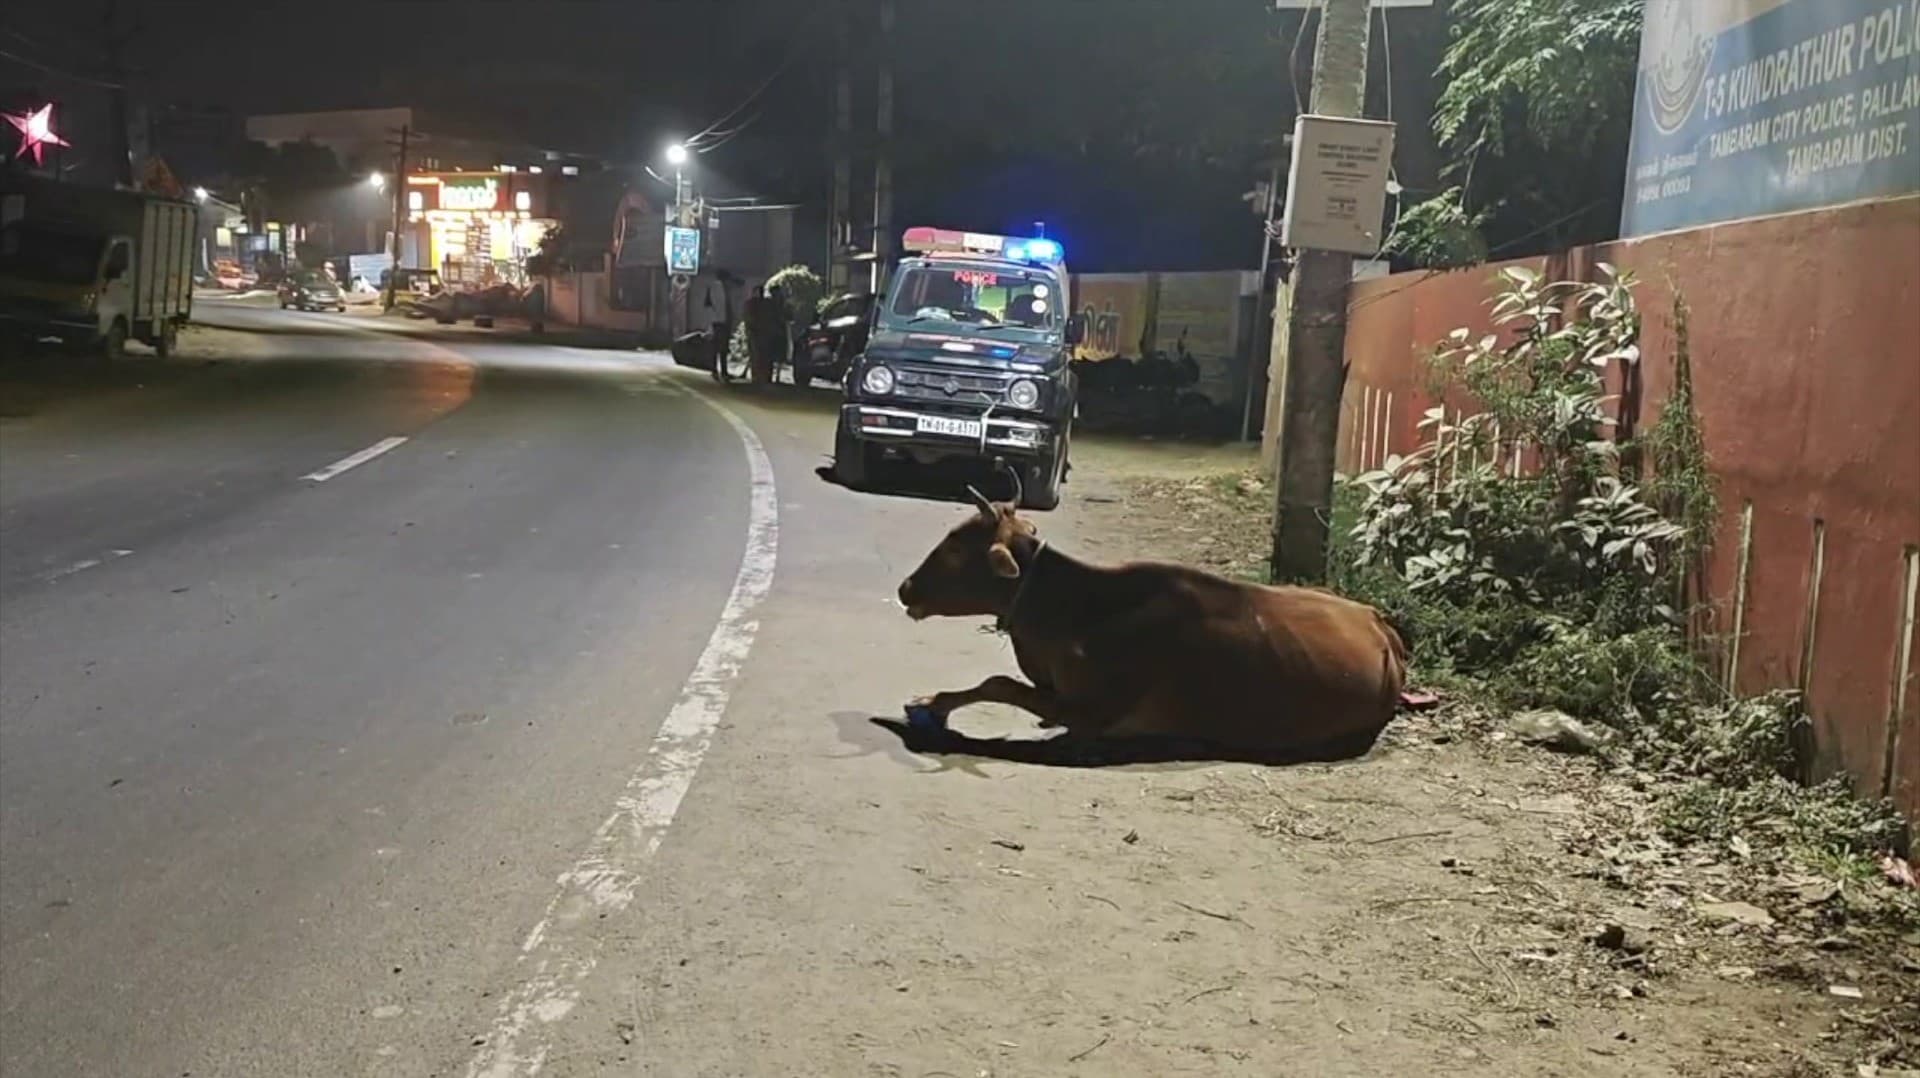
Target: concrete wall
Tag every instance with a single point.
(1805, 341)
(583, 299)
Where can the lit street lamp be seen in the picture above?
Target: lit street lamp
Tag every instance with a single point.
(677, 157)
(376, 181)
(200, 194)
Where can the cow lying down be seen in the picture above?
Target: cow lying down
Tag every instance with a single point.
(1162, 651)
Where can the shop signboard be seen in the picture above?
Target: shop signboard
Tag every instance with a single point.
(1752, 107)
(683, 250)
(481, 193)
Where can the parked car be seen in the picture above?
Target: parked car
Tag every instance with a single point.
(831, 342)
(310, 290)
(228, 274)
(969, 360)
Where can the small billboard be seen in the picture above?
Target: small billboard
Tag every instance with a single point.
(683, 250)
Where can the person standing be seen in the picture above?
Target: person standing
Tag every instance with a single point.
(764, 326)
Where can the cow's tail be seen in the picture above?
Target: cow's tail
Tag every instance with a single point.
(1399, 639)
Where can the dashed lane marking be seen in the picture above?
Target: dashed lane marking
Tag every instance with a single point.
(347, 463)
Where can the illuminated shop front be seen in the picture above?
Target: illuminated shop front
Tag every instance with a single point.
(477, 228)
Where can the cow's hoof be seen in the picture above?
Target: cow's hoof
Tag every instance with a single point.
(922, 716)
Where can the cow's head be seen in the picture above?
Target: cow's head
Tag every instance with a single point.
(972, 572)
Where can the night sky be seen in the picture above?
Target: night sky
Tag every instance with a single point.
(1130, 126)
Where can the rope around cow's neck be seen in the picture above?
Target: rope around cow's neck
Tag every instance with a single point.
(1005, 621)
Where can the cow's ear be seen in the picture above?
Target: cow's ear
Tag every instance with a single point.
(1001, 559)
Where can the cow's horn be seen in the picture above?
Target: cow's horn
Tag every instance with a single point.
(981, 500)
(1019, 488)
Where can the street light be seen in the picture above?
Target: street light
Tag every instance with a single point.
(377, 181)
(200, 194)
(677, 157)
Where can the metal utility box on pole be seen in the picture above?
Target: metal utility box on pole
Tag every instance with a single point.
(1311, 344)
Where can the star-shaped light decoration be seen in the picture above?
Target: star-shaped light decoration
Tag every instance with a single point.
(36, 132)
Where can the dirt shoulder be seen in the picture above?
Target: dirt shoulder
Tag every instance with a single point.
(832, 902)
(1460, 903)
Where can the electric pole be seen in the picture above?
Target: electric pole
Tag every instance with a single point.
(839, 224)
(1260, 359)
(399, 211)
(119, 114)
(1316, 329)
(883, 153)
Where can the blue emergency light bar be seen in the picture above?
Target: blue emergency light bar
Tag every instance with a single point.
(1033, 251)
(944, 241)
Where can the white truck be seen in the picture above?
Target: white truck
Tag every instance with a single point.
(93, 267)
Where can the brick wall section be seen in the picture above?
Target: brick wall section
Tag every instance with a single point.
(1806, 367)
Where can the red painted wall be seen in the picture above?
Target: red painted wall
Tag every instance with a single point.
(1805, 333)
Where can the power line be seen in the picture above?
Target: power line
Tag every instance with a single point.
(59, 73)
(727, 136)
(799, 44)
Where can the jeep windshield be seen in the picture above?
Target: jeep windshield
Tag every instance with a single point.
(1022, 302)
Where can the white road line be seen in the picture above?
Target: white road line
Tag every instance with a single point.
(384, 445)
(85, 564)
(562, 948)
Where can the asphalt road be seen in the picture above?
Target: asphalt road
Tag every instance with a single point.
(383, 700)
(289, 765)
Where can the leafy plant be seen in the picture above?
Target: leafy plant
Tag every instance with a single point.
(1536, 113)
(1440, 233)
(803, 289)
(1458, 518)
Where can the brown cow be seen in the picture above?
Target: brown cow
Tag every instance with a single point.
(1153, 650)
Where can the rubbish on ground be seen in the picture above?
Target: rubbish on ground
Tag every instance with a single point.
(1845, 991)
(1556, 730)
(1617, 937)
(1900, 871)
(1745, 913)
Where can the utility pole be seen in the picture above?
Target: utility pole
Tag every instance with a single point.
(840, 220)
(1316, 329)
(119, 114)
(883, 153)
(399, 211)
(1260, 358)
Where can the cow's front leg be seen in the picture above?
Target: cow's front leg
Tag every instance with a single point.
(1042, 703)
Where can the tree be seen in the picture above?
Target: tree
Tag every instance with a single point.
(1536, 113)
(551, 256)
(802, 288)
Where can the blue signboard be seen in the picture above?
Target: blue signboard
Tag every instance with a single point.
(1753, 107)
(683, 250)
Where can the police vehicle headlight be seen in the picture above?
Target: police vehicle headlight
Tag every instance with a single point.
(877, 381)
(1023, 394)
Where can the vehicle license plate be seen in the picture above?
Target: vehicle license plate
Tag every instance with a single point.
(939, 424)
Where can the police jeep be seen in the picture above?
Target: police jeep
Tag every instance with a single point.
(968, 358)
